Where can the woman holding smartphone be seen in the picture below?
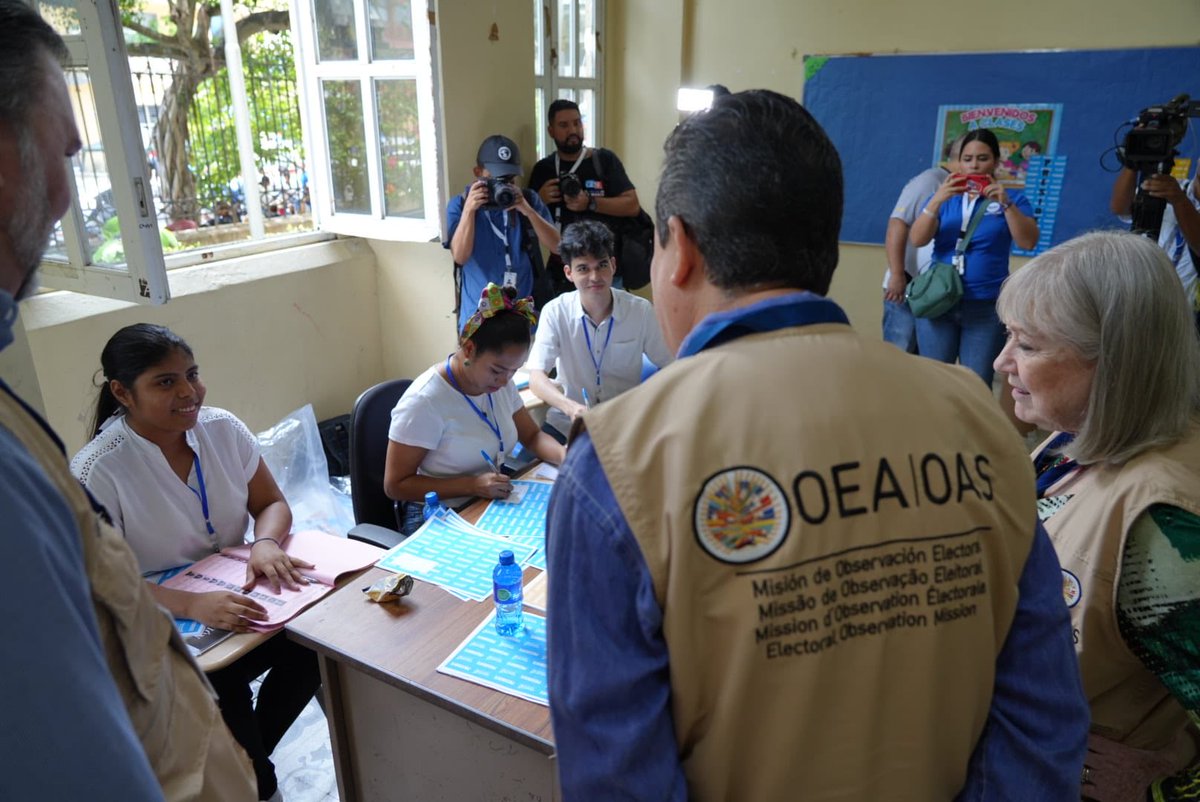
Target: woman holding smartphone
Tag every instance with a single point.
(971, 332)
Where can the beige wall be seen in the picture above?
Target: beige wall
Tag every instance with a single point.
(762, 43)
(265, 347)
(486, 86)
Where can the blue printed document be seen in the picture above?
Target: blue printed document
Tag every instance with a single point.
(523, 521)
(449, 555)
(514, 665)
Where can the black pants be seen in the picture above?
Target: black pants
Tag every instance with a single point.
(293, 676)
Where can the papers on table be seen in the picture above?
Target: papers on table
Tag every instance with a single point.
(452, 553)
(515, 665)
(523, 522)
(546, 471)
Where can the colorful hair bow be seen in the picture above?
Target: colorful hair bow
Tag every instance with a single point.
(493, 300)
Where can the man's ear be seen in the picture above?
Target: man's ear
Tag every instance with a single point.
(687, 255)
(478, 171)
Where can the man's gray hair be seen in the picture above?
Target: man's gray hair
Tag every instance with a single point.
(25, 40)
(1115, 299)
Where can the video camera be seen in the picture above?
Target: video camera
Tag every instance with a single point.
(502, 193)
(1149, 149)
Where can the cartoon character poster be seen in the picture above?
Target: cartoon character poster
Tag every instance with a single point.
(1024, 130)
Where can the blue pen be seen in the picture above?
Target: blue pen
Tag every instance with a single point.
(491, 462)
(587, 402)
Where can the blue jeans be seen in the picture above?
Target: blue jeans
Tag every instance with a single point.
(970, 333)
(899, 326)
(413, 513)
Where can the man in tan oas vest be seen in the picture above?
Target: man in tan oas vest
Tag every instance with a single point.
(101, 700)
(796, 564)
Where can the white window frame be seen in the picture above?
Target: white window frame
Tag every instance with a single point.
(100, 50)
(310, 72)
(549, 82)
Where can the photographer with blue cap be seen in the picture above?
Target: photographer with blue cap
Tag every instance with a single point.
(496, 229)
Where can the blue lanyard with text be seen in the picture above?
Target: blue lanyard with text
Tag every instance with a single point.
(612, 324)
(495, 427)
(202, 494)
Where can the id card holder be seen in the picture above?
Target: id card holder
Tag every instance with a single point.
(510, 279)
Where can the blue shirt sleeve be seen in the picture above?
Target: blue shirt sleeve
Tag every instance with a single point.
(454, 210)
(1035, 738)
(66, 734)
(541, 208)
(610, 688)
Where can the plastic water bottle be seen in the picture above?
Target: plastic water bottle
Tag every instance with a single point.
(432, 504)
(506, 591)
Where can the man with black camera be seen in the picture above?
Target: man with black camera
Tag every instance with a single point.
(579, 183)
(1149, 151)
(496, 229)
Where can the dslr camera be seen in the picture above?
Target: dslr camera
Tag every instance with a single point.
(1149, 149)
(502, 193)
(570, 185)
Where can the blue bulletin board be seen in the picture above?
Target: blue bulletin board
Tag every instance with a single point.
(882, 113)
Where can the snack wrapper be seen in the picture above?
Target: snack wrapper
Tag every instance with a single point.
(392, 587)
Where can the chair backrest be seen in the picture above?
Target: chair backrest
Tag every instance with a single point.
(369, 424)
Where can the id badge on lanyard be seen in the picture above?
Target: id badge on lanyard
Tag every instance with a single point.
(510, 275)
(959, 260)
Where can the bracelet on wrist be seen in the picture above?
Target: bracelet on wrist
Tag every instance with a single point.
(1004, 207)
(263, 540)
(926, 211)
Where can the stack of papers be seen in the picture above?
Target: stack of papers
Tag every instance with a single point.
(521, 517)
(514, 665)
(449, 552)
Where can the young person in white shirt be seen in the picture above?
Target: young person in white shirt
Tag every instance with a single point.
(595, 337)
(181, 480)
(456, 423)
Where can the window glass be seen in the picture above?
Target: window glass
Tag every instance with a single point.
(391, 29)
(347, 155)
(400, 148)
(585, 52)
(566, 38)
(62, 15)
(335, 26)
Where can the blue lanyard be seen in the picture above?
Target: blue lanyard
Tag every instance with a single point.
(483, 416)
(201, 494)
(612, 324)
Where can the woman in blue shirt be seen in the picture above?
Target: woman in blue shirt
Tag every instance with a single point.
(971, 332)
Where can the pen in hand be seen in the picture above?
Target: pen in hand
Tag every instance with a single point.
(587, 402)
(491, 462)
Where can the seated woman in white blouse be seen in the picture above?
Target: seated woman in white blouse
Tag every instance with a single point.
(182, 481)
(464, 408)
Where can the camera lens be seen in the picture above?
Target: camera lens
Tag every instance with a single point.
(569, 185)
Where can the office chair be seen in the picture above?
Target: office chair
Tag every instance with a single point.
(378, 517)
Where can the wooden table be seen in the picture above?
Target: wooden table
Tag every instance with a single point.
(401, 730)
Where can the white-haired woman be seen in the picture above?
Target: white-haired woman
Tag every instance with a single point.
(1102, 350)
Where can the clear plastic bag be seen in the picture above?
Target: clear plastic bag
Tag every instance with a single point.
(292, 450)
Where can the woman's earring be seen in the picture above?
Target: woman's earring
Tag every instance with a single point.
(466, 363)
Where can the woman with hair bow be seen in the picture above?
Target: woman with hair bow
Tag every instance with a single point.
(454, 426)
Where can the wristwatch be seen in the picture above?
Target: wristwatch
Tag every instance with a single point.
(591, 203)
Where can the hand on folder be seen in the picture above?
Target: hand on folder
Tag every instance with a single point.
(270, 561)
(224, 609)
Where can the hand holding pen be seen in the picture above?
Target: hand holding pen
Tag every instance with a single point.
(494, 484)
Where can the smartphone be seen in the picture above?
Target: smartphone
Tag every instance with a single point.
(978, 183)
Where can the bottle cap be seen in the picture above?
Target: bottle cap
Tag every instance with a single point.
(432, 497)
(506, 557)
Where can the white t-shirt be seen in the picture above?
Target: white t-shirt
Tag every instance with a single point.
(908, 206)
(561, 343)
(1171, 240)
(433, 415)
(163, 518)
